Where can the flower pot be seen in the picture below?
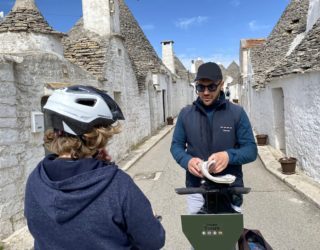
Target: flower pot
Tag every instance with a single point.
(288, 165)
(170, 120)
(262, 139)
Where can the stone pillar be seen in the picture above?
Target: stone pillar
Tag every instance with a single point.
(101, 16)
(168, 55)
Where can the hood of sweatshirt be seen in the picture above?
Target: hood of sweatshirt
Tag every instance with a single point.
(63, 188)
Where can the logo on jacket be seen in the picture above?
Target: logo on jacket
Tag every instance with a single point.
(226, 129)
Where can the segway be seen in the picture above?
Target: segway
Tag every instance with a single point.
(210, 229)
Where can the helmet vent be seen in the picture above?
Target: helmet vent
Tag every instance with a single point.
(86, 102)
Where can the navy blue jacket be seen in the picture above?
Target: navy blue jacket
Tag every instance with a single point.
(86, 204)
(203, 130)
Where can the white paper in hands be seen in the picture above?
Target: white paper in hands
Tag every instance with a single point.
(224, 179)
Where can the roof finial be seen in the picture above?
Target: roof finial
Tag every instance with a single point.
(24, 4)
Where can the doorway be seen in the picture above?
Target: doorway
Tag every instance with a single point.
(279, 120)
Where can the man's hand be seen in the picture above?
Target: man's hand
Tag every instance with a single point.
(194, 168)
(221, 162)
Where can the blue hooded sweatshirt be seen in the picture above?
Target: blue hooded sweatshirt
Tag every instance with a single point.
(88, 204)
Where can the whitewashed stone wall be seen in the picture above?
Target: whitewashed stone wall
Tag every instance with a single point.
(159, 101)
(9, 170)
(99, 16)
(123, 86)
(22, 85)
(234, 91)
(301, 123)
(155, 102)
(14, 42)
(182, 95)
(261, 109)
(21, 89)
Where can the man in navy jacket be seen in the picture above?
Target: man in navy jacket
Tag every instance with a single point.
(212, 128)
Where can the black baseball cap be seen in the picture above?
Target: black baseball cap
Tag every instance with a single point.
(209, 70)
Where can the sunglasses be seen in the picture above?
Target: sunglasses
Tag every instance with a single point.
(211, 87)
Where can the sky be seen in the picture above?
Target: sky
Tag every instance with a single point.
(206, 29)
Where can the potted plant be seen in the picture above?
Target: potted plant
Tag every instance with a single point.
(170, 120)
(235, 100)
(288, 165)
(262, 139)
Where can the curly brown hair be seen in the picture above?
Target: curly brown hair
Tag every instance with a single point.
(79, 147)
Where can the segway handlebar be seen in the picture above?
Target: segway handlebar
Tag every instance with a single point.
(202, 190)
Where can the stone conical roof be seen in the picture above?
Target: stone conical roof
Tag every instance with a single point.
(181, 70)
(89, 50)
(25, 17)
(305, 57)
(233, 70)
(267, 56)
(86, 49)
(142, 54)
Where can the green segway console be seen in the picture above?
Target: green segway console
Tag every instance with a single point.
(208, 231)
(212, 229)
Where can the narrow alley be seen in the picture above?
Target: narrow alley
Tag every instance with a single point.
(286, 219)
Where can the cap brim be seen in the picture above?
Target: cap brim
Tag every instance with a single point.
(208, 77)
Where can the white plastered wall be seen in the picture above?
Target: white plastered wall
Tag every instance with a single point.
(101, 16)
(13, 42)
(301, 118)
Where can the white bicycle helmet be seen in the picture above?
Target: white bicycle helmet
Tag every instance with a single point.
(77, 109)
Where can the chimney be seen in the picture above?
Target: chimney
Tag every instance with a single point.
(168, 55)
(197, 64)
(24, 4)
(193, 67)
(101, 16)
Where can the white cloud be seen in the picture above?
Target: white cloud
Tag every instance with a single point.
(185, 23)
(254, 26)
(235, 3)
(148, 27)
